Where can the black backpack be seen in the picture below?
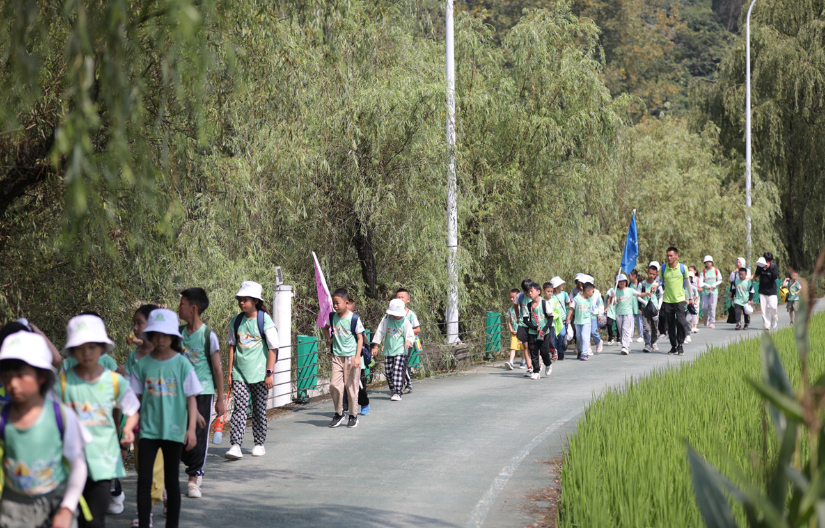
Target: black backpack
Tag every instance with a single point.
(650, 309)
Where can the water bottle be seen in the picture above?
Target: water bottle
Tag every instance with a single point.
(217, 436)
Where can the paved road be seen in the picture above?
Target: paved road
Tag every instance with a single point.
(460, 451)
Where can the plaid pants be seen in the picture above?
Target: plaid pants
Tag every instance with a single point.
(240, 392)
(407, 379)
(395, 367)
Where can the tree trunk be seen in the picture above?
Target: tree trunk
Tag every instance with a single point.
(362, 240)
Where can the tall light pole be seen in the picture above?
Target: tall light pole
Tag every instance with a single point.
(748, 123)
(452, 210)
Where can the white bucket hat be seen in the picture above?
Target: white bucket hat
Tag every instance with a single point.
(556, 281)
(579, 277)
(744, 263)
(654, 264)
(28, 347)
(250, 289)
(84, 329)
(585, 279)
(397, 308)
(621, 277)
(162, 321)
(708, 258)
(761, 262)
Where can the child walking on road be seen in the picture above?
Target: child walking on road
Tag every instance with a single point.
(39, 435)
(794, 287)
(410, 316)
(563, 300)
(624, 299)
(202, 348)
(346, 339)
(580, 315)
(167, 384)
(539, 323)
(512, 325)
(253, 352)
(742, 296)
(396, 334)
(363, 397)
(94, 391)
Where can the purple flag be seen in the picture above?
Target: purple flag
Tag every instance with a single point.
(324, 299)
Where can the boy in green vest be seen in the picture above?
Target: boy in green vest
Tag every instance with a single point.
(794, 287)
(742, 296)
(38, 435)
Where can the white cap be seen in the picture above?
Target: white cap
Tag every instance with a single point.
(556, 281)
(761, 262)
(708, 258)
(654, 264)
(587, 279)
(162, 321)
(397, 308)
(250, 289)
(28, 347)
(744, 263)
(691, 274)
(621, 277)
(579, 277)
(84, 329)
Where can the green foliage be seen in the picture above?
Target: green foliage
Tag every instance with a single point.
(787, 62)
(796, 468)
(627, 466)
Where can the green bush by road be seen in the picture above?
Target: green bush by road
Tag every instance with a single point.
(626, 465)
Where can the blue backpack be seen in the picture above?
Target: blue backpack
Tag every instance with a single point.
(237, 325)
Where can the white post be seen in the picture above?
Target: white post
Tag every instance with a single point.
(281, 393)
(748, 124)
(452, 209)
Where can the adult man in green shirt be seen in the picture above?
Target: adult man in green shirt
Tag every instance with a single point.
(674, 301)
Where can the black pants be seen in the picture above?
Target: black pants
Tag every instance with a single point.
(610, 322)
(363, 399)
(740, 311)
(98, 495)
(146, 463)
(537, 348)
(196, 458)
(674, 315)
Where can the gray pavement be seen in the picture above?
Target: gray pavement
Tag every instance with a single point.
(460, 451)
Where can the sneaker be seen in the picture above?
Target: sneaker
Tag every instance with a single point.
(396, 397)
(535, 375)
(548, 370)
(336, 420)
(695, 330)
(407, 390)
(713, 325)
(687, 339)
(136, 522)
(745, 327)
(555, 356)
(365, 410)
(585, 358)
(523, 365)
(655, 347)
(193, 491)
(199, 481)
(234, 453)
(673, 351)
(599, 348)
(529, 373)
(611, 342)
(625, 351)
(508, 366)
(646, 349)
(116, 505)
(640, 340)
(353, 421)
(680, 350)
(258, 451)
(738, 327)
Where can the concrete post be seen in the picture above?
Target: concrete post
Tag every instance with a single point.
(280, 394)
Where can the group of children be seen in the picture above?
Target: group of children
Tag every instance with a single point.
(542, 319)
(62, 434)
(396, 335)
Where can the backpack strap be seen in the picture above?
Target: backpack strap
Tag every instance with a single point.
(353, 324)
(4, 419)
(237, 326)
(261, 328)
(58, 416)
(115, 383)
(332, 329)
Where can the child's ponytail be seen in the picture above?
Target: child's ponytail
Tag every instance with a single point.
(262, 307)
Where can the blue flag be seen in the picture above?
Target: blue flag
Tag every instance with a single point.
(631, 246)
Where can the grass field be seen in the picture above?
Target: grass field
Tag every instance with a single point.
(627, 464)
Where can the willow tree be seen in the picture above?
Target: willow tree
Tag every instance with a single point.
(788, 91)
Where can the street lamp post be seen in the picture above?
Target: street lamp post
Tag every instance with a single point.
(748, 123)
(452, 209)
